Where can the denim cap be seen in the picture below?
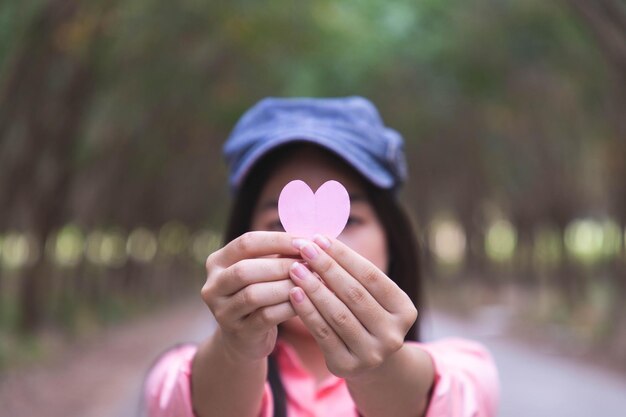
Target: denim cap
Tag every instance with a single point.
(349, 127)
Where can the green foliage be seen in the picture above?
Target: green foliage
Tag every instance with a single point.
(112, 116)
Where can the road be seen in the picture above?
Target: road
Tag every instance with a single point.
(534, 381)
(104, 379)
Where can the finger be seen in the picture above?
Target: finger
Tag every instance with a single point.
(270, 316)
(333, 311)
(256, 296)
(349, 290)
(328, 341)
(251, 271)
(254, 245)
(380, 286)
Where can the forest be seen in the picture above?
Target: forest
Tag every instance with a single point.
(112, 117)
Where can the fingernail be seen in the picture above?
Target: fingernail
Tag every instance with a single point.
(299, 270)
(309, 251)
(322, 241)
(297, 294)
(298, 243)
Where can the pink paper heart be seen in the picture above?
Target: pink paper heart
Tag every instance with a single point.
(304, 214)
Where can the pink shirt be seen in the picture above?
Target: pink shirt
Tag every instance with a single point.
(466, 384)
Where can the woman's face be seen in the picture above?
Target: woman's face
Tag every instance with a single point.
(363, 232)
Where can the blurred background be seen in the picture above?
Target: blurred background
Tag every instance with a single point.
(113, 191)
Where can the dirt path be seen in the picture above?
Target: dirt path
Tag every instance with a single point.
(103, 377)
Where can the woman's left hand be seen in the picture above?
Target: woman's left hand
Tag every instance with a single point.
(357, 315)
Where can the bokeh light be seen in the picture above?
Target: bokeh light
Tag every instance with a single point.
(584, 239)
(106, 248)
(18, 250)
(203, 243)
(173, 238)
(67, 246)
(448, 241)
(500, 240)
(141, 245)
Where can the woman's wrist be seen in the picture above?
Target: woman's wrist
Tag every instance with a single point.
(224, 383)
(410, 366)
(400, 359)
(233, 355)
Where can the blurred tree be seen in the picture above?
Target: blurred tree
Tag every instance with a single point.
(112, 115)
(606, 20)
(43, 101)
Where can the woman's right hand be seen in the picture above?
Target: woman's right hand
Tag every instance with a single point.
(247, 290)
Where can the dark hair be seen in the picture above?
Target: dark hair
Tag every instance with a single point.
(402, 244)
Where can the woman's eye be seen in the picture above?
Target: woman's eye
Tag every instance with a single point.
(353, 221)
(276, 226)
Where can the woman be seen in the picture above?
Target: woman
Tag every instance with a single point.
(321, 327)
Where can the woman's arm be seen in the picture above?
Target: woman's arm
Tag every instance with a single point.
(399, 387)
(248, 295)
(226, 385)
(359, 318)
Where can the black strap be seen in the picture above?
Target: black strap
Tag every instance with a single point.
(276, 384)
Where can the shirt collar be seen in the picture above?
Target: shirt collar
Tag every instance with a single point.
(289, 362)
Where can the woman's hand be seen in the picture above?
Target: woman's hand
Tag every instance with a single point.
(358, 315)
(248, 292)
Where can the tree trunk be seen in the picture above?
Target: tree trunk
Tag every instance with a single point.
(42, 106)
